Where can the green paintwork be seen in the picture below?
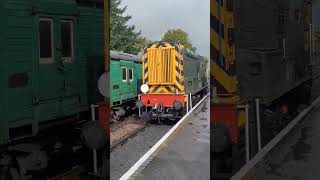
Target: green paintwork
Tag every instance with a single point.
(49, 93)
(195, 77)
(126, 90)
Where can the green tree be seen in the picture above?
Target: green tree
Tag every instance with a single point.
(142, 42)
(122, 36)
(179, 36)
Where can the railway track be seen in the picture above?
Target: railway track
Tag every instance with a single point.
(125, 129)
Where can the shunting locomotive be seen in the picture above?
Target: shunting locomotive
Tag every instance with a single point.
(259, 66)
(171, 76)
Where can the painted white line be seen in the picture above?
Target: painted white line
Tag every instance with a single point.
(147, 157)
(245, 170)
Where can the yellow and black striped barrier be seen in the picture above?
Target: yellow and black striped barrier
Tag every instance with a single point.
(222, 50)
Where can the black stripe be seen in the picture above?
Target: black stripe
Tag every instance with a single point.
(177, 59)
(148, 46)
(155, 89)
(178, 69)
(158, 45)
(215, 55)
(177, 48)
(145, 70)
(145, 60)
(163, 44)
(178, 88)
(172, 44)
(168, 88)
(179, 81)
(221, 2)
(215, 23)
(146, 80)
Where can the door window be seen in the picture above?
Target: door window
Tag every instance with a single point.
(66, 41)
(124, 74)
(130, 74)
(45, 41)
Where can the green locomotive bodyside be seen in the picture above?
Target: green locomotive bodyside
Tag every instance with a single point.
(42, 84)
(125, 77)
(195, 77)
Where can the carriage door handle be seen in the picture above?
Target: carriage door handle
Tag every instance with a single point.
(60, 63)
(61, 67)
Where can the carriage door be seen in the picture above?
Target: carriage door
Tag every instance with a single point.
(127, 77)
(57, 95)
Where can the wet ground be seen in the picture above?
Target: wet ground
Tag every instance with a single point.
(187, 156)
(124, 156)
(298, 155)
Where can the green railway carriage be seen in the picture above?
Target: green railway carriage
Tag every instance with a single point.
(125, 80)
(45, 46)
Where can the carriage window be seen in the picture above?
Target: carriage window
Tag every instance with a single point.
(130, 74)
(67, 41)
(124, 74)
(45, 41)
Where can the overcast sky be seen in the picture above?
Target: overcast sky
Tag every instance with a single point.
(155, 17)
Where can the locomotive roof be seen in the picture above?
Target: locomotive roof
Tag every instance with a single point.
(185, 50)
(124, 56)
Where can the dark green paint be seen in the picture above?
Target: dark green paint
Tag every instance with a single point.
(50, 93)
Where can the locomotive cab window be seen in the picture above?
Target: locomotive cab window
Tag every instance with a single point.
(124, 74)
(45, 36)
(67, 41)
(130, 74)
